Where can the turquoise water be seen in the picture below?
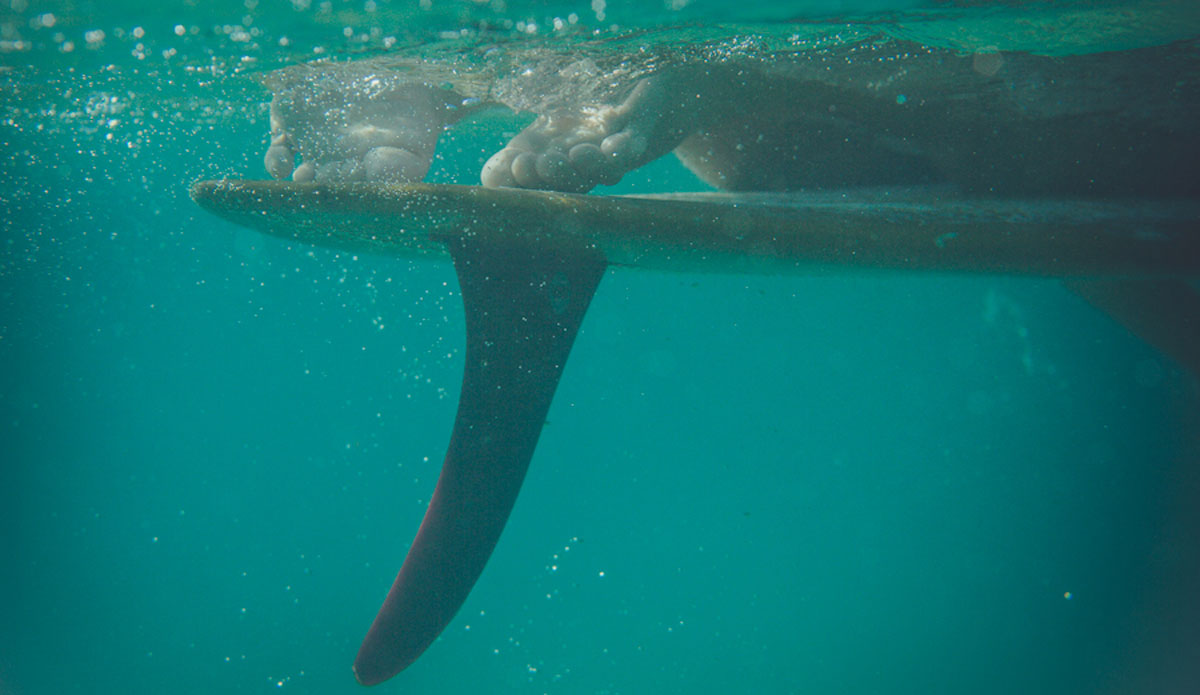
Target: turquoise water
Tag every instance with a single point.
(216, 446)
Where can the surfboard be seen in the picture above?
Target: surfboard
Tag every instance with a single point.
(529, 262)
(909, 229)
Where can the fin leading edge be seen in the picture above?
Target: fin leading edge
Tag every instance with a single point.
(523, 308)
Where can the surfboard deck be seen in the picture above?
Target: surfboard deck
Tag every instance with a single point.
(897, 229)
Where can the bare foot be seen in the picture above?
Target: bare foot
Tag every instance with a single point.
(577, 149)
(351, 124)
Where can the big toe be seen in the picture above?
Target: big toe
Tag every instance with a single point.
(595, 165)
(497, 171)
(624, 149)
(305, 173)
(393, 165)
(555, 168)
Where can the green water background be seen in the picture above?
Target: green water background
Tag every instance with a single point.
(216, 446)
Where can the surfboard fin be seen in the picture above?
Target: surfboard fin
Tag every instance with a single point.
(523, 308)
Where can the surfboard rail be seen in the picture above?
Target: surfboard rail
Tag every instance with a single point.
(914, 230)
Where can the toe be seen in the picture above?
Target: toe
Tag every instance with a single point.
(524, 170)
(554, 169)
(497, 172)
(307, 171)
(393, 165)
(595, 166)
(624, 149)
(278, 162)
(280, 158)
(587, 159)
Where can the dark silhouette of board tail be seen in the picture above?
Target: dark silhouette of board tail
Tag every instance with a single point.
(523, 308)
(1163, 312)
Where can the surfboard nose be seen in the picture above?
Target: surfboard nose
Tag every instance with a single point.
(523, 308)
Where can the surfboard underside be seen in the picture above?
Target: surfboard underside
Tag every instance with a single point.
(899, 230)
(529, 262)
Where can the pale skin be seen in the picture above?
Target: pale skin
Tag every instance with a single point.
(390, 137)
(385, 136)
(722, 123)
(1025, 125)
